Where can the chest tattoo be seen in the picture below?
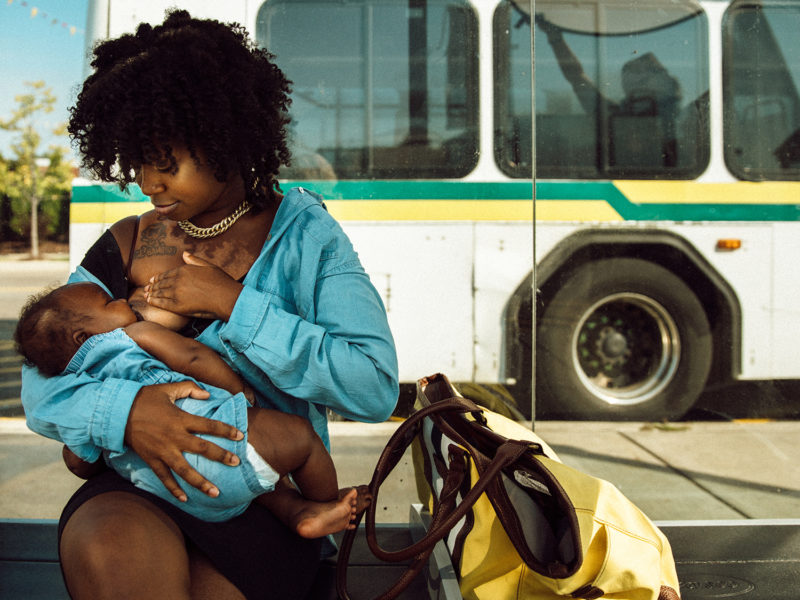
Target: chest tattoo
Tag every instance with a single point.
(153, 242)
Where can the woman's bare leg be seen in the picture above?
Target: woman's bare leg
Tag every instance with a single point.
(118, 545)
(207, 583)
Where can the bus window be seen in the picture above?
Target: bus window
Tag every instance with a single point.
(369, 103)
(619, 94)
(761, 71)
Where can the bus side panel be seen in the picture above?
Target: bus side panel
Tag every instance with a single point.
(503, 258)
(125, 15)
(429, 302)
(786, 299)
(81, 237)
(746, 271)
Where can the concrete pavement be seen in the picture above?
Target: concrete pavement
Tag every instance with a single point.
(693, 470)
(702, 470)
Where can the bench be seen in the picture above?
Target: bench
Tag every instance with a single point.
(743, 559)
(29, 567)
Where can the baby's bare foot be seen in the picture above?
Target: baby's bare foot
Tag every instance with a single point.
(321, 518)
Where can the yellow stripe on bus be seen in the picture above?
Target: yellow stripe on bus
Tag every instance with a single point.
(401, 210)
(572, 210)
(691, 192)
(105, 212)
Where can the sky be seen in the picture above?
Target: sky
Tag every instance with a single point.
(41, 40)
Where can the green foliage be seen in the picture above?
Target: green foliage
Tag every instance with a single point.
(34, 179)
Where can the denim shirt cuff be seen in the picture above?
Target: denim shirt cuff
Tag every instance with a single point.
(111, 413)
(246, 318)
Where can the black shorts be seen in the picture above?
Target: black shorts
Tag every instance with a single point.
(255, 551)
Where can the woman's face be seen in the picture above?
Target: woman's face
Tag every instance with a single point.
(183, 190)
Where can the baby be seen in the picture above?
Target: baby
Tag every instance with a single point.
(78, 328)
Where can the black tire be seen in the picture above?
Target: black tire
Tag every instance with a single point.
(622, 339)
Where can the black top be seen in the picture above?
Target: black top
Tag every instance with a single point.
(104, 261)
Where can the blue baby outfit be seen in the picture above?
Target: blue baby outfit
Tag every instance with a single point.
(115, 354)
(308, 332)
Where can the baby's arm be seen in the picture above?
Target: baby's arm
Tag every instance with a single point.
(185, 355)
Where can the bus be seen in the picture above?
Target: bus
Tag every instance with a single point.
(662, 216)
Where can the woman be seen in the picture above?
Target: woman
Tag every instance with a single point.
(196, 115)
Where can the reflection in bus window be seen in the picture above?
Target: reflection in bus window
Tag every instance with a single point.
(762, 72)
(631, 102)
(369, 102)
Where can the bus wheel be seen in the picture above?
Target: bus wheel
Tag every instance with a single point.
(622, 339)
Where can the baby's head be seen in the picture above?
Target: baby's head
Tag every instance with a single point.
(54, 324)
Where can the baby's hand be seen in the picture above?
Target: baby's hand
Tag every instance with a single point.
(249, 394)
(79, 467)
(148, 312)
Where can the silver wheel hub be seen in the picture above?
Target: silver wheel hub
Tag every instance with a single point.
(626, 349)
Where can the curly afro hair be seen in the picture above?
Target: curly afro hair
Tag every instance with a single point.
(197, 83)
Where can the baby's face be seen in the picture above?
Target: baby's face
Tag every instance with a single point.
(106, 314)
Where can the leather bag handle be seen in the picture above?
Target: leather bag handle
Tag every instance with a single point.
(446, 513)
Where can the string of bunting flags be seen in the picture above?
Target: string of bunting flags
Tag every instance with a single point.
(37, 12)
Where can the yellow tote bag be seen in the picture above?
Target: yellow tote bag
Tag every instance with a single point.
(610, 549)
(517, 522)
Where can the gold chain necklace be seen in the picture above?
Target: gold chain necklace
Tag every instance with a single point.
(194, 231)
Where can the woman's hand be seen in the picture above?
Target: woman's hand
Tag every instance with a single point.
(159, 432)
(195, 289)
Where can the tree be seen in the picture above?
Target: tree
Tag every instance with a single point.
(33, 175)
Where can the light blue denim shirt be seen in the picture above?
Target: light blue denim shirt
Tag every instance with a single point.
(115, 354)
(308, 331)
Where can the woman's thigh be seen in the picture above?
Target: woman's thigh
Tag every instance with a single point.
(247, 555)
(118, 545)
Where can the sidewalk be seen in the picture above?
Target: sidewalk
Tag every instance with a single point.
(694, 470)
(689, 471)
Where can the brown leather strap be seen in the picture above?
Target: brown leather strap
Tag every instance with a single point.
(446, 514)
(394, 450)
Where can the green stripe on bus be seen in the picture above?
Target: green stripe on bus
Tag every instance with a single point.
(417, 190)
(107, 192)
(712, 212)
(401, 190)
(351, 190)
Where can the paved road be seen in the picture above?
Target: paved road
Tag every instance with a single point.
(9, 371)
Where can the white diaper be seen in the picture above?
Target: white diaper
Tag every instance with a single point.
(266, 475)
